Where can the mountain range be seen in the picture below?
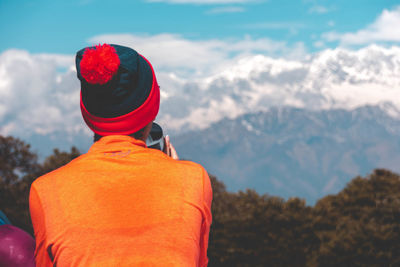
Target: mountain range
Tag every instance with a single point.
(284, 126)
(291, 152)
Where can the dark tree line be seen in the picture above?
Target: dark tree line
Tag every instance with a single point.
(359, 226)
(19, 167)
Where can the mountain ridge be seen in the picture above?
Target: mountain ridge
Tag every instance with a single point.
(296, 152)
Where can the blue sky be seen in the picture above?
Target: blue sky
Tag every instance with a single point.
(63, 27)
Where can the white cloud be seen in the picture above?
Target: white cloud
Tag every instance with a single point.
(226, 78)
(203, 2)
(318, 9)
(331, 79)
(291, 26)
(228, 9)
(275, 25)
(171, 52)
(39, 94)
(319, 44)
(386, 28)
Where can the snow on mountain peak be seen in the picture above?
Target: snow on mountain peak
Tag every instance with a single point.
(333, 78)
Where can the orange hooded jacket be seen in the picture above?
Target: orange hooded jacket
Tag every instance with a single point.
(122, 204)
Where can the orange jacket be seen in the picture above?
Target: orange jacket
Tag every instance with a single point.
(122, 204)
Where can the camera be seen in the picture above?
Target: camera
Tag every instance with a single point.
(155, 139)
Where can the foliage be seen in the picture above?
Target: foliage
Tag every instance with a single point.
(58, 159)
(17, 164)
(19, 167)
(365, 223)
(360, 226)
(253, 230)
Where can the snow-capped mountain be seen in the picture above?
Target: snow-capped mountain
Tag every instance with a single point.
(296, 152)
(39, 94)
(329, 80)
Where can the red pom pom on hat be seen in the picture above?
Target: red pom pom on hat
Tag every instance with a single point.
(99, 64)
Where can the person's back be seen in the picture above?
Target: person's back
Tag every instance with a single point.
(124, 205)
(121, 204)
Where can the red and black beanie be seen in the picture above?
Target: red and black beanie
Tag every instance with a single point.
(119, 90)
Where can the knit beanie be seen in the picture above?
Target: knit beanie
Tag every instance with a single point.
(119, 90)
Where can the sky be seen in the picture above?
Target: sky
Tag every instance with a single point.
(63, 27)
(230, 56)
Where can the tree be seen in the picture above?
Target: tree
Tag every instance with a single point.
(259, 230)
(360, 226)
(58, 159)
(17, 165)
(18, 169)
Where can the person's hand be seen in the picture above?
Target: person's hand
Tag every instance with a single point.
(169, 149)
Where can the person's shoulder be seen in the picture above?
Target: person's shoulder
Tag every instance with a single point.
(196, 167)
(201, 178)
(191, 168)
(51, 176)
(191, 164)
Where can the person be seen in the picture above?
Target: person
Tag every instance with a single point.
(16, 246)
(121, 203)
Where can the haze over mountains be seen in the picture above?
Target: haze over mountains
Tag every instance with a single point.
(339, 109)
(296, 152)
